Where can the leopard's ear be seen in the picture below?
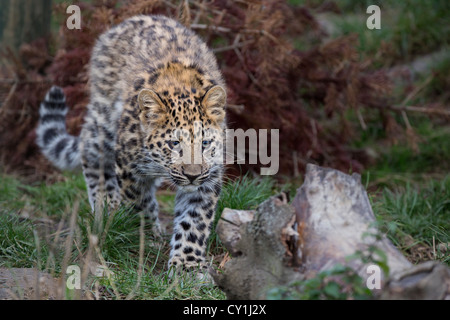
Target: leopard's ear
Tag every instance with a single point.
(151, 107)
(214, 103)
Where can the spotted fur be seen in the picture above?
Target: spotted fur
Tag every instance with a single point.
(157, 95)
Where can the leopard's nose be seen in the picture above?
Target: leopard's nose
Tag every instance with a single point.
(191, 178)
(192, 171)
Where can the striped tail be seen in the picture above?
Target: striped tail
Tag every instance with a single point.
(56, 144)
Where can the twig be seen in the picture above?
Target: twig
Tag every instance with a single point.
(410, 96)
(109, 273)
(8, 97)
(233, 46)
(13, 81)
(265, 33)
(434, 248)
(237, 108)
(203, 7)
(68, 243)
(199, 12)
(361, 120)
(406, 120)
(242, 60)
(295, 163)
(225, 259)
(420, 110)
(214, 28)
(417, 90)
(141, 257)
(169, 4)
(226, 30)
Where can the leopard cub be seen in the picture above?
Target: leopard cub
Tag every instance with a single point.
(156, 112)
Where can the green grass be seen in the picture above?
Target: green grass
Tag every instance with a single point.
(41, 199)
(36, 231)
(17, 242)
(418, 211)
(245, 193)
(422, 213)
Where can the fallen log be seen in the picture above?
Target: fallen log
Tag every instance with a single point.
(329, 221)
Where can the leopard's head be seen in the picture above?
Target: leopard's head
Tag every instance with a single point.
(183, 133)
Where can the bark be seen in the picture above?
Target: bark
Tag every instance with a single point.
(329, 220)
(335, 220)
(260, 259)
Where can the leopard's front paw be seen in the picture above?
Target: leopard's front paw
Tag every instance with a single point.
(195, 271)
(178, 261)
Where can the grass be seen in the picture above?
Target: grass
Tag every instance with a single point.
(413, 216)
(245, 193)
(17, 242)
(37, 231)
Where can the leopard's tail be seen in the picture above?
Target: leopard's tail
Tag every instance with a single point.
(62, 149)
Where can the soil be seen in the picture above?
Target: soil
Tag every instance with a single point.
(27, 284)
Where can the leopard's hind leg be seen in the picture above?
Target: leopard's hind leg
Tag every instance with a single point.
(141, 193)
(98, 156)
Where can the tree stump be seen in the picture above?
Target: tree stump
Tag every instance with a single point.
(329, 220)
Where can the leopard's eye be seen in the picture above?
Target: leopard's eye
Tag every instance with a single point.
(173, 144)
(206, 143)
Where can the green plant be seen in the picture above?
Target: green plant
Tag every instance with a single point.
(338, 283)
